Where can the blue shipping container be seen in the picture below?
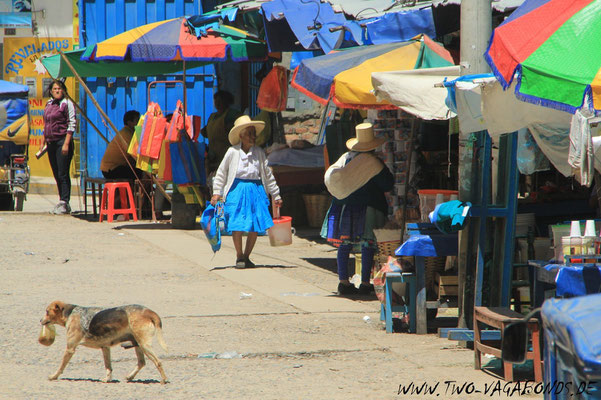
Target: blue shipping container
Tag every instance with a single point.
(101, 19)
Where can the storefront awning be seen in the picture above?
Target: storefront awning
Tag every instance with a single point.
(414, 92)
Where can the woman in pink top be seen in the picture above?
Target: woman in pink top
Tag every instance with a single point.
(59, 125)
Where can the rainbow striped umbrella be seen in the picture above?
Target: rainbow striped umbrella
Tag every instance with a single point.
(175, 40)
(345, 76)
(552, 48)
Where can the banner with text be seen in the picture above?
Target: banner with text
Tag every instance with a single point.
(22, 65)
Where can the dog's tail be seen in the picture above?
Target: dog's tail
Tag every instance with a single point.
(156, 320)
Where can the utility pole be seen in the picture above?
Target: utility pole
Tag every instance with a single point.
(476, 28)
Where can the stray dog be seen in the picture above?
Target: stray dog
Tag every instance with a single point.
(101, 328)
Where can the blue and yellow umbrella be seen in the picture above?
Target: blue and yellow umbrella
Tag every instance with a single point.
(345, 76)
(176, 40)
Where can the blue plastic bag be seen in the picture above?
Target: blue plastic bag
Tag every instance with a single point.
(212, 222)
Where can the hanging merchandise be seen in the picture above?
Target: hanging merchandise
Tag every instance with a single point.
(165, 172)
(273, 92)
(134, 143)
(530, 158)
(176, 125)
(211, 223)
(187, 162)
(153, 132)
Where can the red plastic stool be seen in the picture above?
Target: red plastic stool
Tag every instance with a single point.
(107, 205)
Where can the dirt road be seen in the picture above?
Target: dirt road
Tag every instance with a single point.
(273, 332)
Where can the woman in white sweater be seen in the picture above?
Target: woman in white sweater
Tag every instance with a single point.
(242, 181)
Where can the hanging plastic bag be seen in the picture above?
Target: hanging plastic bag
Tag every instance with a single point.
(273, 92)
(530, 158)
(153, 132)
(212, 222)
(165, 163)
(187, 162)
(176, 125)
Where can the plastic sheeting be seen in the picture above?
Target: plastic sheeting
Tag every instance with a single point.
(298, 17)
(574, 280)
(574, 325)
(429, 246)
(414, 92)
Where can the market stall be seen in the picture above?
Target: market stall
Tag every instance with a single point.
(169, 44)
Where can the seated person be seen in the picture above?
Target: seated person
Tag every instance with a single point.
(114, 162)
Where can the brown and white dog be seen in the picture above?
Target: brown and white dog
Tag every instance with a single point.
(101, 328)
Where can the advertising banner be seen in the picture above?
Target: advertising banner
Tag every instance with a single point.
(22, 65)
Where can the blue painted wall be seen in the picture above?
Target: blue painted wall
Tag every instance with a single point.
(101, 19)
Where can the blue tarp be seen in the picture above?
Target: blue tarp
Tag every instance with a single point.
(299, 16)
(287, 21)
(575, 280)
(7, 87)
(429, 246)
(401, 26)
(574, 326)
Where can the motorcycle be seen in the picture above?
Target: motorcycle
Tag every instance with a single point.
(14, 142)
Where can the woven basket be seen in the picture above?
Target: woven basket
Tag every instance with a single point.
(433, 265)
(317, 207)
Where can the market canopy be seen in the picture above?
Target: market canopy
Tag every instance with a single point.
(14, 124)
(57, 67)
(414, 91)
(176, 40)
(551, 47)
(345, 76)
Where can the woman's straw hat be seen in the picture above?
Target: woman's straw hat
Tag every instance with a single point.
(365, 140)
(242, 123)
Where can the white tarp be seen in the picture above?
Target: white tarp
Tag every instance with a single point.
(414, 91)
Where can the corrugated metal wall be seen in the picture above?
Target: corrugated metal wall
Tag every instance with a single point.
(101, 19)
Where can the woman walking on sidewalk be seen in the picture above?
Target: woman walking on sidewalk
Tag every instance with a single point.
(59, 125)
(357, 181)
(243, 180)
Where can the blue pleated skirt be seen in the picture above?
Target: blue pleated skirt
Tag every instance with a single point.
(247, 207)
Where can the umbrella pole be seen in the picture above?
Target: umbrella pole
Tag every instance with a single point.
(81, 111)
(408, 174)
(101, 111)
(185, 97)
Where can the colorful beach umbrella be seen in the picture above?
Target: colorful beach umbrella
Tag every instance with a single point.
(552, 48)
(175, 40)
(345, 76)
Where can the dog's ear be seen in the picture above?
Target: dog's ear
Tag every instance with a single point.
(57, 307)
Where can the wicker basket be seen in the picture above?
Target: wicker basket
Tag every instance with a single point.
(317, 207)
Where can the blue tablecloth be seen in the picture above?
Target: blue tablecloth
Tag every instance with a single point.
(429, 246)
(576, 280)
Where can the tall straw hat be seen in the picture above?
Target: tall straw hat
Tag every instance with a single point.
(365, 140)
(242, 123)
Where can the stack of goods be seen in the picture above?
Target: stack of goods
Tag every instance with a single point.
(395, 125)
(169, 151)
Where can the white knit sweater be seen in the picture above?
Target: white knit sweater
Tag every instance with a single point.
(226, 173)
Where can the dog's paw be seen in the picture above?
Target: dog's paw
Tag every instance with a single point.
(52, 377)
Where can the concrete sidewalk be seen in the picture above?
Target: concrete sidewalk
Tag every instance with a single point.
(193, 246)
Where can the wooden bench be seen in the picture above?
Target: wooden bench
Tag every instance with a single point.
(500, 317)
(97, 184)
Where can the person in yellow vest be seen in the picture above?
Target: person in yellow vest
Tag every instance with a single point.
(114, 162)
(218, 126)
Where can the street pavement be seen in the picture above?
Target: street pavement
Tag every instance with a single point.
(277, 331)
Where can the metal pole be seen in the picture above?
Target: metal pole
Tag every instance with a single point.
(185, 96)
(476, 28)
(83, 114)
(407, 176)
